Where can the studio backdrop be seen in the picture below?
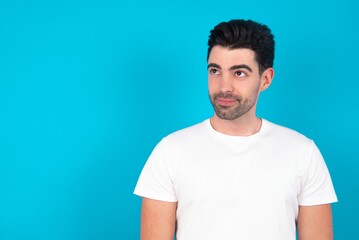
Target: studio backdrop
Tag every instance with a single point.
(88, 87)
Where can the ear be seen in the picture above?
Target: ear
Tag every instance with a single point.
(266, 78)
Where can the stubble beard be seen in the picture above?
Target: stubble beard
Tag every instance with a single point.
(231, 112)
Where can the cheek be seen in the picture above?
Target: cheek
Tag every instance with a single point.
(212, 85)
(253, 93)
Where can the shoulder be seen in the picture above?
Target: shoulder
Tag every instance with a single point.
(285, 135)
(189, 137)
(291, 144)
(193, 131)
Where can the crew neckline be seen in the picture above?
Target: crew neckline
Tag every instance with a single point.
(218, 134)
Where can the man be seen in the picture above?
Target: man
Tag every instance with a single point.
(236, 176)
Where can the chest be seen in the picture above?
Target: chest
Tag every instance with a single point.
(233, 177)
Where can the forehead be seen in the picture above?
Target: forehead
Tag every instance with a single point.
(224, 56)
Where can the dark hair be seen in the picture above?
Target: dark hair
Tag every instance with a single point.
(245, 34)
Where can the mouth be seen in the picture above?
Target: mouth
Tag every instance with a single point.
(227, 102)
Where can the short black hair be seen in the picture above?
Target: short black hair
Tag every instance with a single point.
(245, 34)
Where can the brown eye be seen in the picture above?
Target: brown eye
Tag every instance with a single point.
(240, 74)
(213, 71)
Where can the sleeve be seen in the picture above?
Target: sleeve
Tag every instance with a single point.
(156, 179)
(317, 187)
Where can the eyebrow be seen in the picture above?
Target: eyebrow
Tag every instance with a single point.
(234, 67)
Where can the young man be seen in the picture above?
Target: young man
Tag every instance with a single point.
(236, 176)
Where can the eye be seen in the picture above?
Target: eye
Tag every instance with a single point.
(240, 74)
(213, 71)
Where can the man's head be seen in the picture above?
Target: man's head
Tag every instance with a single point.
(240, 60)
(245, 34)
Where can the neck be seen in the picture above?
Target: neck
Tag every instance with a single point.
(243, 126)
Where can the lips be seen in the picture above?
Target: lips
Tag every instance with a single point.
(226, 101)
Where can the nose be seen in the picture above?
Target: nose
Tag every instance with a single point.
(226, 84)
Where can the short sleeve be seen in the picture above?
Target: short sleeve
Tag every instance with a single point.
(317, 187)
(156, 179)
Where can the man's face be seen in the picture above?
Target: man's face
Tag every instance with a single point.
(234, 82)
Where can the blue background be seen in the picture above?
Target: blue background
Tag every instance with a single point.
(87, 88)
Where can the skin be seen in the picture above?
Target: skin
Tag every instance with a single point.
(158, 219)
(315, 222)
(236, 73)
(234, 85)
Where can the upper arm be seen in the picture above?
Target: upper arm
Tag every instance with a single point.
(315, 222)
(158, 219)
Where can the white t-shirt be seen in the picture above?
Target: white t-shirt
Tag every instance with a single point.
(231, 187)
